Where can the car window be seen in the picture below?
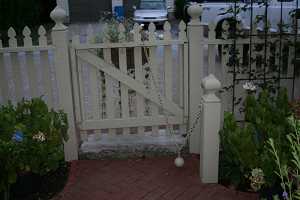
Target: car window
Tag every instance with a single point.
(285, 0)
(152, 5)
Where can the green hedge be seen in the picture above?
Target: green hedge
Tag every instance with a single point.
(19, 13)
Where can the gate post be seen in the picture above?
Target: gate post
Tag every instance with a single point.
(195, 37)
(211, 122)
(63, 77)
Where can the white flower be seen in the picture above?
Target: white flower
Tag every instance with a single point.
(257, 179)
(249, 86)
(39, 137)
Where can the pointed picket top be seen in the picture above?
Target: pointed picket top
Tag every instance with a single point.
(151, 29)
(121, 29)
(239, 26)
(211, 31)
(136, 32)
(75, 39)
(254, 29)
(225, 29)
(90, 34)
(167, 31)
(225, 25)
(105, 35)
(42, 36)
(27, 38)
(12, 42)
(182, 30)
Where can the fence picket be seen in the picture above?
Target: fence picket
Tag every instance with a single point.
(12, 41)
(3, 81)
(42, 36)
(27, 38)
(182, 31)
(11, 89)
(47, 82)
(37, 66)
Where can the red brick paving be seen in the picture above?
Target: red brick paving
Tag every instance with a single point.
(147, 179)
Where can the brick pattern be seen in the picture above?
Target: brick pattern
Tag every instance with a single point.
(144, 179)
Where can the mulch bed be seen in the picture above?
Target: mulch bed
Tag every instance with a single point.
(33, 187)
(295, 105)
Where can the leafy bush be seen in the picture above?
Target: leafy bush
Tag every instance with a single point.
(111, 31)
(179, 9)
(244, 144)
(288, 172)
(31, 140)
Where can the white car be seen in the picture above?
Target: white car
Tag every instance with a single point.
(211, 12)
(151, 11)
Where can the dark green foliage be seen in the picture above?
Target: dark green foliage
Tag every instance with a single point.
(19, 13)
(40, 149)
(243, 145)
(179, 9)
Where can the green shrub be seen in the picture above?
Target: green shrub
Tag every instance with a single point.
(179, 9)
(243, 145)
(31, 140)
(288, 172)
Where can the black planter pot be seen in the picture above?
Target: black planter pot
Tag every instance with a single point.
(26, 184)
(269, 193)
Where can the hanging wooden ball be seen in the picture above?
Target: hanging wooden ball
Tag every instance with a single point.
(179, 162)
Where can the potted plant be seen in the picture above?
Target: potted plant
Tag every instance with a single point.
(31, 143)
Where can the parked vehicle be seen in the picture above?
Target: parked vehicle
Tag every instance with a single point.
(151, 11)
(213, 11)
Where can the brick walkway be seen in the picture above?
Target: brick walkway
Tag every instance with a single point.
(147, 179)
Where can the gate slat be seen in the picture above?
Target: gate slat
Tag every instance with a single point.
(291, 59)
(75, 77)
(140, 100)
(154, 68)
(109, 81)
(94, 95)
(212, 50)
(168, 59)
(123, 68)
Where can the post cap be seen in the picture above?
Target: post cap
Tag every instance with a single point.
(194, 11)
(211, 84)
(58, 15)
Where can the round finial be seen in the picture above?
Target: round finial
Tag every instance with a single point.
(58, 15)
(211, 84)
(179, 162)
(195, 11)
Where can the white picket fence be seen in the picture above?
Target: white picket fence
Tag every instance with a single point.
(27, 69)
(107, 88)
(277, 54)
